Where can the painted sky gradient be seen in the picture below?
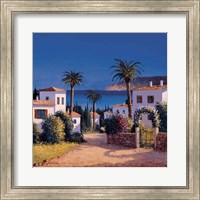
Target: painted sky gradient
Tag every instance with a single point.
(93, 54)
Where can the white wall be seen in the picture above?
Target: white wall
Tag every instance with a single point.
(106, 116)
(53, 97)
(44, 94)
(156, 93)
(159, 95)
(121, 111)
(165, 96)
(50, 110)
(147, 123)
(77, 126)
(97, 119)
(60, 106)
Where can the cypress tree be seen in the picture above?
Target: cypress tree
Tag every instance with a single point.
(35, 93)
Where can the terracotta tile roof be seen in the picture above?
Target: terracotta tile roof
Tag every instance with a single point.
(75, 114)
(154, 87)
(120, 105)
(43, 103)
(108, 112)
(96, 114)
(52, 89)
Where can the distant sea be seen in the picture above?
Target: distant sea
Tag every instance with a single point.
(109, 98)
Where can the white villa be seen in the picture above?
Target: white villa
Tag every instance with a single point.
(97, 118)
(51, 100)
(142, 96)
(76, 118)
(149, 96)
(118, 109)
(108, 114)
(121, 109)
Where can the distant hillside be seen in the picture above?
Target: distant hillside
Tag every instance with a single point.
(138, 82)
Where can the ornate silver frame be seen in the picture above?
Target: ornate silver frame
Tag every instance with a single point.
(8, 10)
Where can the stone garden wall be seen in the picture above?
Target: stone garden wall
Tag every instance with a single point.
(125, 139)
(161, 141)
(128, 139)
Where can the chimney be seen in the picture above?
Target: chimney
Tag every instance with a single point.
(161, 82)
(150, 83)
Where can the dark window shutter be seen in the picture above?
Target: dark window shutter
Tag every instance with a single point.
(46, 113)
(36, 113)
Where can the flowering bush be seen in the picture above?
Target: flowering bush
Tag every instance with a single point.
(53, 130)
(117, 124)
(154, 116)
(122, 124)
(67, 121)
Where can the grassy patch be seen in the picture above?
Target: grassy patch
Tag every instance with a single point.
(43, 152)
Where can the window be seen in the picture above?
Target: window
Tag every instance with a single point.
(58, 100)
(63, 100)
(139, 99)
(123, 111)
(40, 114)
(74, 121)
(150, 99)
(47, 98)
(117, 111)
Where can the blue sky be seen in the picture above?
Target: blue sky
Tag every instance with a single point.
(93, 54)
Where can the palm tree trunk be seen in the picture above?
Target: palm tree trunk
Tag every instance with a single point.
(71, 100)
(128, 87)
(94, 110)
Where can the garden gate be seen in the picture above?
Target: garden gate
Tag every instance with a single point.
(154, 116)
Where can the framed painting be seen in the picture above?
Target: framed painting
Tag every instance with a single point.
(100, 99)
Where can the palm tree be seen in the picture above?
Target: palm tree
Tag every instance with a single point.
(94, 97)
(126, 72)
(72, 78)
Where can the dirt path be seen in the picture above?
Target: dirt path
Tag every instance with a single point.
(97, 153)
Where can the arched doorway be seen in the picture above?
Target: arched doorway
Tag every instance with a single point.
(154, 117)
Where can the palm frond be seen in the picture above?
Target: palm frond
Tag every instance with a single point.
(72, 78)
(125, 71)
(94, 96)
(118, 76)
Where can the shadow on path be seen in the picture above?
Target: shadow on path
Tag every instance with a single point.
(97, 153)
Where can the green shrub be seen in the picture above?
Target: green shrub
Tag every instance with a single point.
(102, 121)
(117, 124)
(110, 125)
(76, 137)
(86, 122)
(97, 128)
(67, 121)
(130, 126)
(161, 108)
(53, 130)
(36, 133)
(84, 129)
